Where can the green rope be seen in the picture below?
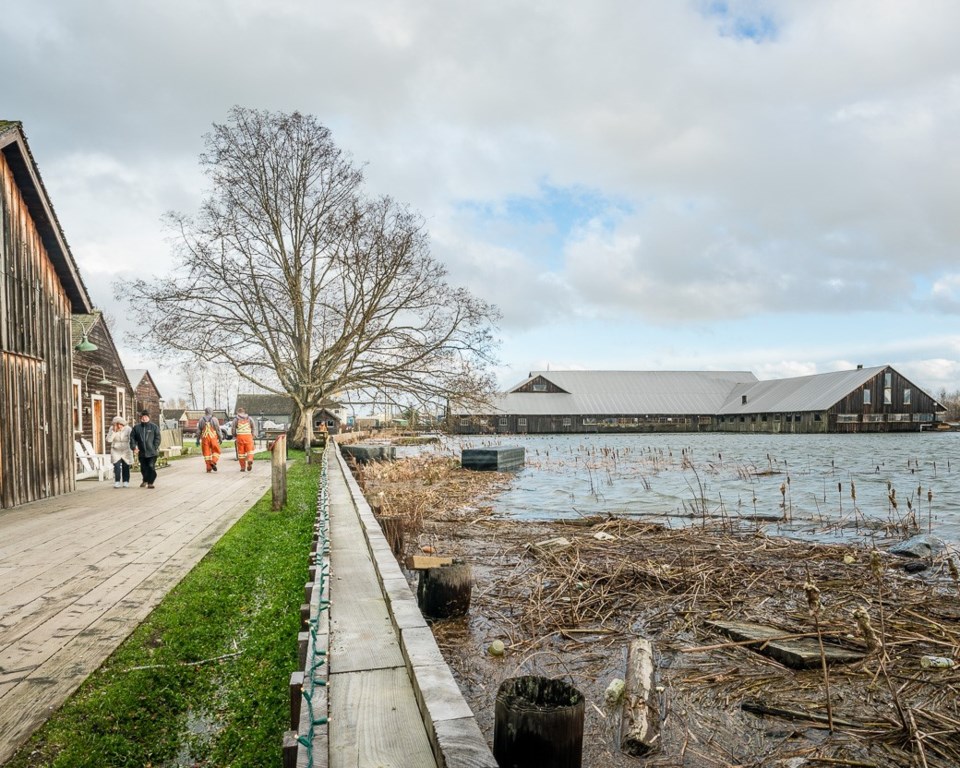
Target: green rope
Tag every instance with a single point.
(316, 676)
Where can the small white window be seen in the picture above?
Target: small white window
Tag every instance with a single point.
(521, 422)
(866, 397)
(906, 396)
(567, 422)
(503, 421)
(539, 387)
(464, 422)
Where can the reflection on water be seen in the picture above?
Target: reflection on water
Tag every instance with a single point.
(820, 486)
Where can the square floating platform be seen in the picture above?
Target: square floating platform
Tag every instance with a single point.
(496, 459)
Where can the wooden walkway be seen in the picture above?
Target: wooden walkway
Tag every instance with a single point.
(393, 702)
(79, 572)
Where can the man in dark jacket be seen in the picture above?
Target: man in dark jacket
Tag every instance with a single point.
(145, 441)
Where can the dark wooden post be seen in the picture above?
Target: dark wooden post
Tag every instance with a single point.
(538, 723)
(392, 527)
(444, 593)
(278, 464)
(296, 695)
(290, 749)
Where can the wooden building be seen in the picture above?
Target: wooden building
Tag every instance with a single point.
(101, 389)
(190, 417)
(40, 290)
(146, 396)
(876, 399)
(277, 410)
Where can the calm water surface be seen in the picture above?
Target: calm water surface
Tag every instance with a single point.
(789, 484)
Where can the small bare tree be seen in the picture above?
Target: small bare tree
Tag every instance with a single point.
(307, 287)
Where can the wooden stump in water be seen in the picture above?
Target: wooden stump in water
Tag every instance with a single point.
(538, 723)
(392, 527)
(444, 593)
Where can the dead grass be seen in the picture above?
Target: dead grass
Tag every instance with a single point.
(571, 613)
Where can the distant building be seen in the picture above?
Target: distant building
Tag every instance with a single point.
(875, 399)
(146, 396)
(276, 412)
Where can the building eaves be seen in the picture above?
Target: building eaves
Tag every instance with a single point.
(26, 174)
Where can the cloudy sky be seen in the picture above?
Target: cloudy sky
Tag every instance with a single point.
(764, 185)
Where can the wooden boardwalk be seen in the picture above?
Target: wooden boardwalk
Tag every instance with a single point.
(79, 572)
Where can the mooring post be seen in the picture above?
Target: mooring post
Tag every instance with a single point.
(444, 592)
(278, 473)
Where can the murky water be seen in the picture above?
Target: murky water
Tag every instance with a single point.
(827, 487)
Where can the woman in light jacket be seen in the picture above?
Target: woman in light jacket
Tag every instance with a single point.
(118, 438)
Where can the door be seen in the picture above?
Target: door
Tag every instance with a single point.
(97, 423)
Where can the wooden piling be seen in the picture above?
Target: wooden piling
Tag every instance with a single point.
(444, 593)
(278, 474)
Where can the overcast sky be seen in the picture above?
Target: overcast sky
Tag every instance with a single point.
(656, 184)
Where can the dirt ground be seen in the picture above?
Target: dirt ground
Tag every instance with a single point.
(571, 613)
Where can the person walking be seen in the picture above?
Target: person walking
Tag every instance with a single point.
(208, 438)
(121, 455)
(243, 434)
(145, 441)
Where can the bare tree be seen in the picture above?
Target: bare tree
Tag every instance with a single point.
(306, 286)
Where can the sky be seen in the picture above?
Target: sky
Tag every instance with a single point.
(753, 185)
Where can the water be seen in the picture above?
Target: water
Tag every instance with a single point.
(800, 485)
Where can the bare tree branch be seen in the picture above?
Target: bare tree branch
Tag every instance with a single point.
(303, 285)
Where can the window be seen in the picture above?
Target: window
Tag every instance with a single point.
(503, 421)
(906, 396)
(521, 422)
(464, 422)
(866, 396)
(122, 404)
(566, 422)
(888, 389)
(539, 387)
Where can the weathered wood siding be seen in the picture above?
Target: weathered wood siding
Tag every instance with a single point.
(36, 449)
(147, 397)
(87, 369)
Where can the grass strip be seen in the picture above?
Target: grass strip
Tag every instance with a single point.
(203, 681)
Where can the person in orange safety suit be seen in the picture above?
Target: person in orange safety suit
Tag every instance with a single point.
(243, 430)
(208, 438)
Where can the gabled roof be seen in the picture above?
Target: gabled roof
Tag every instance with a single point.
(16, 151)
(626, 392)
(84, 325)
(273, 405)
(136, 375)
(817, 392)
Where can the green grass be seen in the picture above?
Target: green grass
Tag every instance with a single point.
(241, 603)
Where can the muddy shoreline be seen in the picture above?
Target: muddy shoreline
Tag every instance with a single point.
(571, 613)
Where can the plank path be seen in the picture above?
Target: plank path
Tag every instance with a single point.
(80, 571)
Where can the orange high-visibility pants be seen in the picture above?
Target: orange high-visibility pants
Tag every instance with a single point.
(245, 451)
(211, 450)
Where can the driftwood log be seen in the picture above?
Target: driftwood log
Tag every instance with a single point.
(641, 718)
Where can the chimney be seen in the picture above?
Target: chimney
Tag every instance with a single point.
(859, 366)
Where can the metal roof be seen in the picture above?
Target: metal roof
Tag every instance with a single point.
(626, 392)
(817, 392)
